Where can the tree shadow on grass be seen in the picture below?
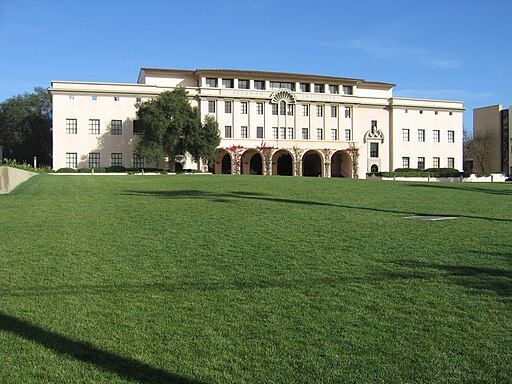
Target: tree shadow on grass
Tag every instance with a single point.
(226, 197)
(466, 188)
(126, 368)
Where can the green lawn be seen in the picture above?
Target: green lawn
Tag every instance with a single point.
(247, 279)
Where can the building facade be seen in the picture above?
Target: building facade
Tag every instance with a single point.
(492, 128)
(270, 123)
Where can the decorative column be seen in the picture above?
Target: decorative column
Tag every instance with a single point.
(297, 153)
(267, 153)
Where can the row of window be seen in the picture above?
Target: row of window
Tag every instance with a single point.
(286, 133)
(260, 85)
(116, 159)
(116, 127)
(435, 112)
(94, 98)
(436, 162)
(277, 109)
(436, 135)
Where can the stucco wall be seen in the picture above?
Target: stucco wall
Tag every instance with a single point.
(10, 178)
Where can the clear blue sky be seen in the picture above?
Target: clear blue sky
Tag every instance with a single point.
(458, 50)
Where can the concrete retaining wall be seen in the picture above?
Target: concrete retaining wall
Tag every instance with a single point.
(10, 178)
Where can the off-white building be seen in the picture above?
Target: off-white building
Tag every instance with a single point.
(270, 123)
(491, 126)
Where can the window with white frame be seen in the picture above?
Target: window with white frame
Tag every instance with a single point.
(211, 82)
(282, 108)
(305, 133)
(71, 159)
(405, 162)
(436, 162)
(334, 111)
(319, 88)
(94, 126)
(319, 134)
(282, 133)
(71, 126)
(348, 90)
(421, 163)
(116, 98)
(211, 106)
(451, 137)
(335, 89)
(436, 136)
(94, 160)
(243, 132)
(259, 132)
(259, 108)
(116, 159)
(451, 162)
(227, 106)
(275, 132)
(304, 87)
(138, 161)
(319, 111)
(374, 150)
(289, 110)
(116, 127)
(348, 135)
(283, 85)
(243, 84)
(334, 134)
(243, 107)
(305, 110)
(275, 109)
(289, 135)
(347, 112)
(259, 84)
(421, 135)
(228, 83)
(228, 131)
(405, 134)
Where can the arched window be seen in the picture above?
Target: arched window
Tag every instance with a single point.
(282, 107)
(374, 168)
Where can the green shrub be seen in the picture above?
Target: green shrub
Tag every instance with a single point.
(84, 170)
(483, 174)
(115, 168)
(99, 170)
(66, 170)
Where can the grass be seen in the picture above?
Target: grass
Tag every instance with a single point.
(226, 279)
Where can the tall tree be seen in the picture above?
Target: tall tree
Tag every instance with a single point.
(172, 127)
(25, 127)
(478, 148)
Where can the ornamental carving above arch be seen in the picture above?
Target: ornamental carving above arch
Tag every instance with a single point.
(282, 94)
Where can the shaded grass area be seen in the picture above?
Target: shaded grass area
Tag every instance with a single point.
(200, 279)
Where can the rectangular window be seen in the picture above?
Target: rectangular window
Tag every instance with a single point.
(94, 97)
(137, 128)
(243, 132)
(243, 107)
(347, 112)
(405, 162)
(374, 150)
(211, 82)
(334, 111)
(228, 83)
(243, 84)
(436, 136)
(305, 133)
(374, 125)
(347, 135)
(138, 161)
(227, 106)
(290, 133)
(71, 126)
(274, 133)
(405, 134)
(282, 84)
(94, 160)
(259, 108)
(305, 110)
(348, 90)
(451, 138)
(71, 159)
(259, 132)
(421, 135)
(304, 87)
(94, 126)
(451, 162)
(116, 159)
(319, 134)
(211, 106)
(435, 162)
(116, 127)
(259, 84)
(334, 134)
(282, 133)
(319, 111)
(289, 110)
(319, 88)
(335, 89)
(421, 163)
(228, 132)
(275, 109)
(116, 98)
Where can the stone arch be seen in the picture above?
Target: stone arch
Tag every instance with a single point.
(282, 163)
(252, 162)
(223, 162)
(341, 164)
(312, 162)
